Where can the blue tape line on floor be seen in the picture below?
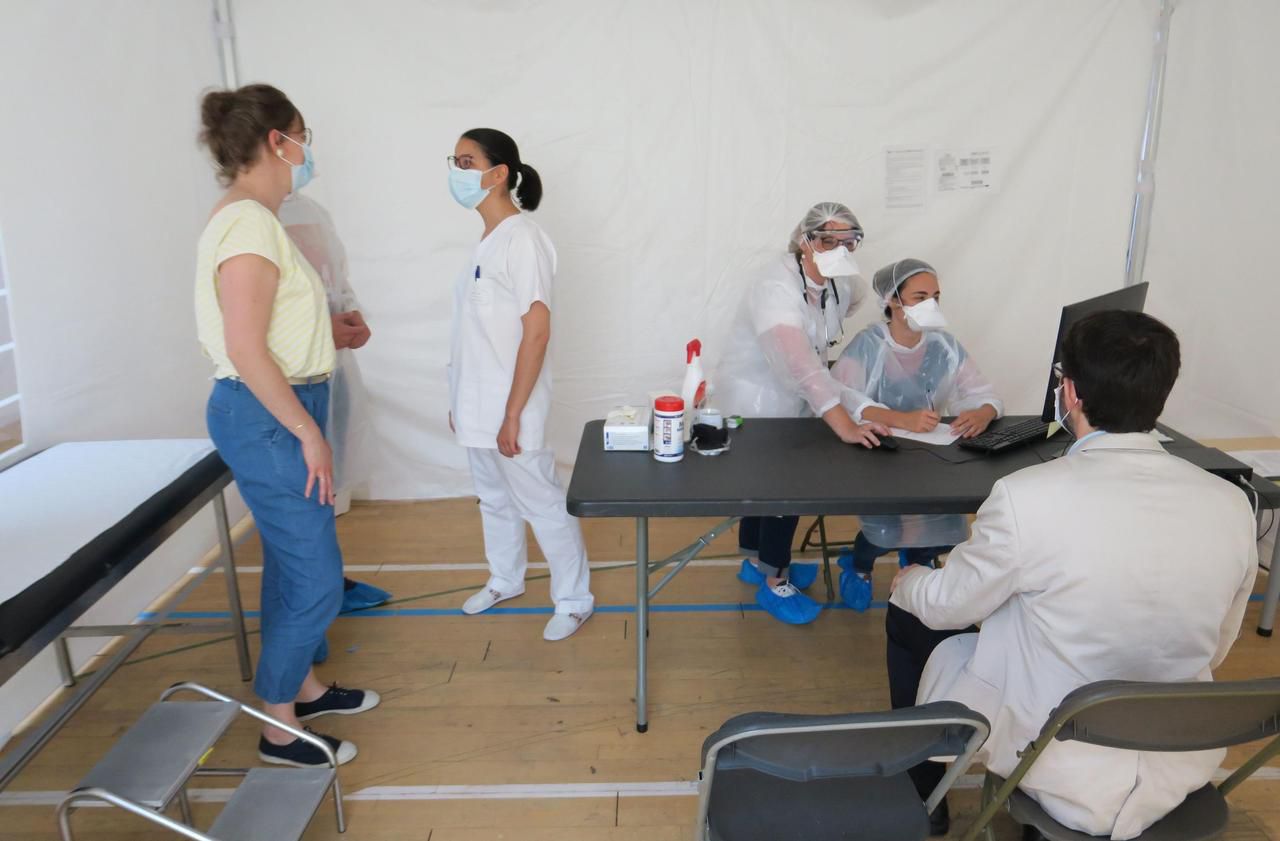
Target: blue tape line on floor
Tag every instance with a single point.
(717, 607)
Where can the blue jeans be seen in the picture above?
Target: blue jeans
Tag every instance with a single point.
(865, 553)
(301, 561)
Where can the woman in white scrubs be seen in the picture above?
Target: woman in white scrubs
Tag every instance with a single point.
(499, 386)
(775, 365)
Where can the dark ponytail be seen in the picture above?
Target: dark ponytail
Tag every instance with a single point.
(235, 124)
(500, 149)
(529, 193)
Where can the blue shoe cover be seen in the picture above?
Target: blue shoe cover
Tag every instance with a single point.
(363, 596)
(845, 561)
(855, 591)
(802, 576)
(795, 608)
(322, 652)
(748, 574)
(902, 559)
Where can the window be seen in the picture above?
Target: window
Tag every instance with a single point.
(10, 400)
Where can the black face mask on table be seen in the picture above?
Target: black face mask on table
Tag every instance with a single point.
(708, 437)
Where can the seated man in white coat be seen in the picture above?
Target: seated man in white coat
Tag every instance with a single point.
(1117, 561)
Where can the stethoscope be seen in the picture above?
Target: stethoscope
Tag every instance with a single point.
(830, 285)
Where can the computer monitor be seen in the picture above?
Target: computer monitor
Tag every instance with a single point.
(1129, 298)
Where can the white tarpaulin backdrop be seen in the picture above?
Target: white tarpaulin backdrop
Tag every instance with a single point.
(680, 142)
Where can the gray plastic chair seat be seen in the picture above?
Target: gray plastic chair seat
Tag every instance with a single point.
(152, 761)
(273, 804)
(1203, 815)
(833, 809)
(779, 776)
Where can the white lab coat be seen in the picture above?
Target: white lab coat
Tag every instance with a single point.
(350, 428)
(1119, 561)
(774, 363)
(936, 373)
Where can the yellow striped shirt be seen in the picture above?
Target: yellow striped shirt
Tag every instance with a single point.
(300, 335)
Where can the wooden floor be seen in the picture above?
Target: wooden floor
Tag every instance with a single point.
(483, 701)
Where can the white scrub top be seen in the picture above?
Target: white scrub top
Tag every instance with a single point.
(774, 363)
(511, 269)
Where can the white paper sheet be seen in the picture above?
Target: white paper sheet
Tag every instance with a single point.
(905, 178)
(940, 436)
(1264, 462)
(964, 169)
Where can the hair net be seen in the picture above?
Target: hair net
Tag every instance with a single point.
(819, 215)
(889, 280)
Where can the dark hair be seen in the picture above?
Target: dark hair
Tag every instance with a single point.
(1124, 365)
(499, 148)
(236, 123)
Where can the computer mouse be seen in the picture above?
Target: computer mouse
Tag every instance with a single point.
(888, 442)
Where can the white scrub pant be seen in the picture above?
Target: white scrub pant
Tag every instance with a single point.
(523, 489)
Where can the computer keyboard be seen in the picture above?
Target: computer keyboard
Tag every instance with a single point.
(994, 441)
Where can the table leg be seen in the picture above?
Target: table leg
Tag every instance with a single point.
(64, 662)
(642, 621)
(228, 561)
(1268, 619)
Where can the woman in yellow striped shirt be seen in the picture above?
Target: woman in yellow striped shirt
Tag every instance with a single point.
(263, 320)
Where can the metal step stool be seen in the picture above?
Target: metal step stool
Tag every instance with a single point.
(149, 768)
(273, 803)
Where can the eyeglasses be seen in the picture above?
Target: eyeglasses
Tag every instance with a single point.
(834, 239)
(460, 161)
(304, 139)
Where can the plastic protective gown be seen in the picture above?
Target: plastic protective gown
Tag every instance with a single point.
(774, 363)
(350, 429)
(878, 372)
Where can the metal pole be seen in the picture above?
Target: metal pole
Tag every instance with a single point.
(1144, 192)
(224, 31)
(16, 759)
(228, 561)
(1268, 619)
(642, 620)
(65, 668)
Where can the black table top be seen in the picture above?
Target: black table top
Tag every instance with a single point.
(779, 466)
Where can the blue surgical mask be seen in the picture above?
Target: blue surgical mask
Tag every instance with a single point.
(464, 185)
(1058, 414)
(302, 173)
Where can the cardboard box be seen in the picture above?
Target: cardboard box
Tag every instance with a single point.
(626, 428)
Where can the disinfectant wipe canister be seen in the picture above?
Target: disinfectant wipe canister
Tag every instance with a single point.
(668, 428)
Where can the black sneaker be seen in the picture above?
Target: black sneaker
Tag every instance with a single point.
(302, 754)
(337, 701)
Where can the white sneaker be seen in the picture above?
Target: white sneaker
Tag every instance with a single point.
(562, 625)
(485, 599)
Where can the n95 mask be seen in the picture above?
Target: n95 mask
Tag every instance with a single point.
(926, 315)
(835, 263)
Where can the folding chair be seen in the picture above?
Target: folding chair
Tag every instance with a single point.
(1170, 717)
(770, 776)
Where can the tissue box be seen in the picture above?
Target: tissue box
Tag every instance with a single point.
(626, 428)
